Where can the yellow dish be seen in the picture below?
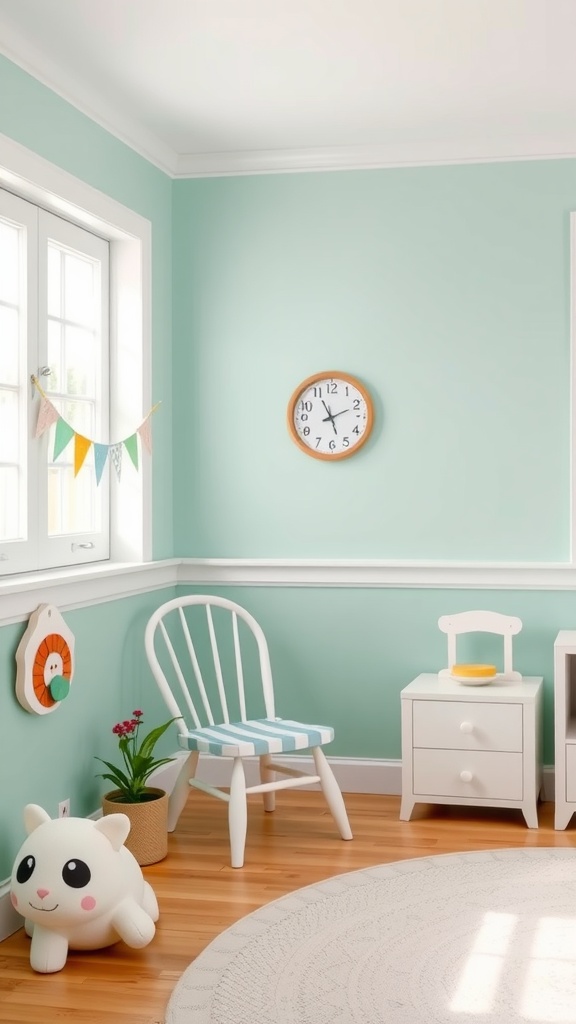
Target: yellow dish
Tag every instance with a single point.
(474, 675)
(474, 671)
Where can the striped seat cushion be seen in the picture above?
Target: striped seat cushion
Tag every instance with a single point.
(259, 736)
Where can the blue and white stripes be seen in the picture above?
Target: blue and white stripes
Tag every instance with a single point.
(255, 737)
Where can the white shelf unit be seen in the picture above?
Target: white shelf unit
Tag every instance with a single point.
(564, 727)
(472, 745)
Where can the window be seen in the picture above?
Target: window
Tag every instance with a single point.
(74, 311)
(54, 314)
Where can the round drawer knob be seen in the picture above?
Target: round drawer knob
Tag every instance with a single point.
(466, 776)
(466, 727)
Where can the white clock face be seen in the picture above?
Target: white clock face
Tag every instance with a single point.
(331, 417)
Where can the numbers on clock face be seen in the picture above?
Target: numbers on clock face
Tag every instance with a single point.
(331, 417)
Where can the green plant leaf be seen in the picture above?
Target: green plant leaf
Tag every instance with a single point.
(116, 776)
(152, 738)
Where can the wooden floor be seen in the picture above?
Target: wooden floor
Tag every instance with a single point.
(200, 895)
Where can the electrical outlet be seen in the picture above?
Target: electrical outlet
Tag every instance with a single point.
(64, 808)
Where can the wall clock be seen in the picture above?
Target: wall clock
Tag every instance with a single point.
(44, 661)
(330, 415)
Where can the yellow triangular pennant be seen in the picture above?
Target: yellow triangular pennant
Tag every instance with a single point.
(81, 449)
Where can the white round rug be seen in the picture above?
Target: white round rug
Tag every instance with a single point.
(467, 938)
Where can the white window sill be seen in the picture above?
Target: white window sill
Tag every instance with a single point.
(79, 586)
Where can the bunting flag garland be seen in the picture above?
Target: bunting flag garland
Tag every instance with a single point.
(46, 417)
(63, 434)
(100, 456)
(145, 432)
(81, 449)
(116, 457)
(131, 445)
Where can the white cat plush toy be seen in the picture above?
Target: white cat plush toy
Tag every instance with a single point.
(78, 887)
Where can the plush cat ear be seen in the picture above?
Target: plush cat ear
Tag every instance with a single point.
(34, 816)
(115, 827)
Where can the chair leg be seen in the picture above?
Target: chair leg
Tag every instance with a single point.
(237, 814)
(332, 793)
(179, 795)
(267, 775)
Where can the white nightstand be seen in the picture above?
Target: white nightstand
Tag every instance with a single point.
(473, 745)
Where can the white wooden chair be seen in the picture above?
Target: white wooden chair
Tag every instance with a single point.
(190, 674)
(505, 626)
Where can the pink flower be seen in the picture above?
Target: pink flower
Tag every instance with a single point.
(137, 758)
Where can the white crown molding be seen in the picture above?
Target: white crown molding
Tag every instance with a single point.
(91, 104)
(374, 157)
(269, 161)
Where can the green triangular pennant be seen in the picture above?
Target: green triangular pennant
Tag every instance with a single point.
(131, 444)
(64, 434)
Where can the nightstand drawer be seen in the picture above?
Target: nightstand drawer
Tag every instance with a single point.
(483, 775)
(467, 725)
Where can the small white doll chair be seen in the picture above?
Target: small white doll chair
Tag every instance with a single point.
(218, 717)
(506, 626)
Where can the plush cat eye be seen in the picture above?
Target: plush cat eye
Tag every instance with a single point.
(76, 874)
(25, 869)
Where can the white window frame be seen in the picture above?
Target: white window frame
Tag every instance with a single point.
(34, 547)
(43, 183)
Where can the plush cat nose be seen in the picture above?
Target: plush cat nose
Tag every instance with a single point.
(42, 893)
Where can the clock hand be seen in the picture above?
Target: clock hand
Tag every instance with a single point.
(333, 415)
(329, 417)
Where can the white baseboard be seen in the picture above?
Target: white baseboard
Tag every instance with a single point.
(354, 775)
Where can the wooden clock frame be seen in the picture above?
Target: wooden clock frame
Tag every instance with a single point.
(309, 382)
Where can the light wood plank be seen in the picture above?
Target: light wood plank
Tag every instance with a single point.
(200, 894)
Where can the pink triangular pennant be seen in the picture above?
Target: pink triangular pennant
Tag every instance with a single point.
(47, 415)
(145, 431)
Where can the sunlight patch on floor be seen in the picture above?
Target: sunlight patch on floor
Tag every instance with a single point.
(549, 993)
(478, 983)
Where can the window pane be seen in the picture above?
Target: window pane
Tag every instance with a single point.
(9, 262)
(80, 361)
(72, 502)
(53, 382)
(80, 288)
(9, 432)
(9, 322)
(54, 281)
(9, 503)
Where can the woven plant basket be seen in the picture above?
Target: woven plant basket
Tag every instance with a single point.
(148, 836)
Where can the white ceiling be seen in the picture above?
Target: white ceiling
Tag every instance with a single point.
(242, 86)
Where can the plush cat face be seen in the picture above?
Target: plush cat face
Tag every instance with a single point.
(71, 870)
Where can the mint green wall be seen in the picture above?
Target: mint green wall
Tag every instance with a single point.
(446, 289)
(37, 118)
(46, 758)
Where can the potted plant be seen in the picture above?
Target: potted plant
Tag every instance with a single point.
(146, 806)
